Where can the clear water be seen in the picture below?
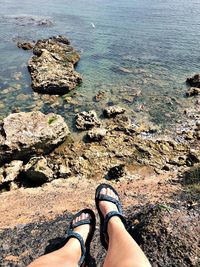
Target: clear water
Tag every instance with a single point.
(157, 41)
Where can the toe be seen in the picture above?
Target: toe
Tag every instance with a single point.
(103, 191)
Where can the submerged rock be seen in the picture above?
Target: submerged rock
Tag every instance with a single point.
(194, 81)
(87, 120)
(113, 111)
(99, 96)
(25, 45)
(25, 134)
(52, 66)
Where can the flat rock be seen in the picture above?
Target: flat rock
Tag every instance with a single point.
(169, 237)
(25, 134)
(87, 120)
(52, 66)
(113, 111)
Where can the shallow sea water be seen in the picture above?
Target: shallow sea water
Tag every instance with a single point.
(156, 41)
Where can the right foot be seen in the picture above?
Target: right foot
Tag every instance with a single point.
(106, 206)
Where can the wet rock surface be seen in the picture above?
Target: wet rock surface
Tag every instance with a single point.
(52, 66)
(25, 134)
(25, 45)
(194, 81)
(113, 111)
(168, 236)
(193, 91)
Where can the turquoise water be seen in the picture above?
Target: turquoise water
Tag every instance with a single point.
(156, 41)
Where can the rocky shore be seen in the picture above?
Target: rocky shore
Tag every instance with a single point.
(43, 165)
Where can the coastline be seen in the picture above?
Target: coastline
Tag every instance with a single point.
(146, 164)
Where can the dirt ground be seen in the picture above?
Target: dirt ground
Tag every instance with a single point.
(35, 204)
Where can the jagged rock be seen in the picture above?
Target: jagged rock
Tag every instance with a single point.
(194, 81)
(113, 111)
(193, 91)
(52, 66)
(38, 171)
(25, 134)
(87, 120)
(64, 171)
(97, 134)
(25, 45)
(12, 170)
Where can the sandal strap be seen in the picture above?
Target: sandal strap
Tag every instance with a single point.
(111, 199)
(107, 218)
(82, 222)
(72, 234)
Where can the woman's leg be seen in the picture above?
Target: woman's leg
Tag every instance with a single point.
(122, 249)
(69, 255)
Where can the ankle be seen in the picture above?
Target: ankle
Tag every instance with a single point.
(74, 245)
(115, 224)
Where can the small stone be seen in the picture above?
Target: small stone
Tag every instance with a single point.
(2, 105)
(113, 111)
(193, 91)
(25, 45)
(97, 134)
(100, 95)
(12, 170)
(13, 186)
(87, 120)
(22, 97)
(64, 171)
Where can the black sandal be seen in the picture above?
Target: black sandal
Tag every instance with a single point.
(85, 248)
(104, 221)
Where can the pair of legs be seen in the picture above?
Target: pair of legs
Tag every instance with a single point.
(123, 251)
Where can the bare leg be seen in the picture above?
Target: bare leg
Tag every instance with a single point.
(69, 255)
(122, 249)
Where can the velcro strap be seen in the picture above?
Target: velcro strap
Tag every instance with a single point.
(72, 234)
(111, 199)
(86, 221)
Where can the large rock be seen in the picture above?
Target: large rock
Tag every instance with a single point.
(25, 134)
(168, 236)
(52, 66)
(194, 81)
